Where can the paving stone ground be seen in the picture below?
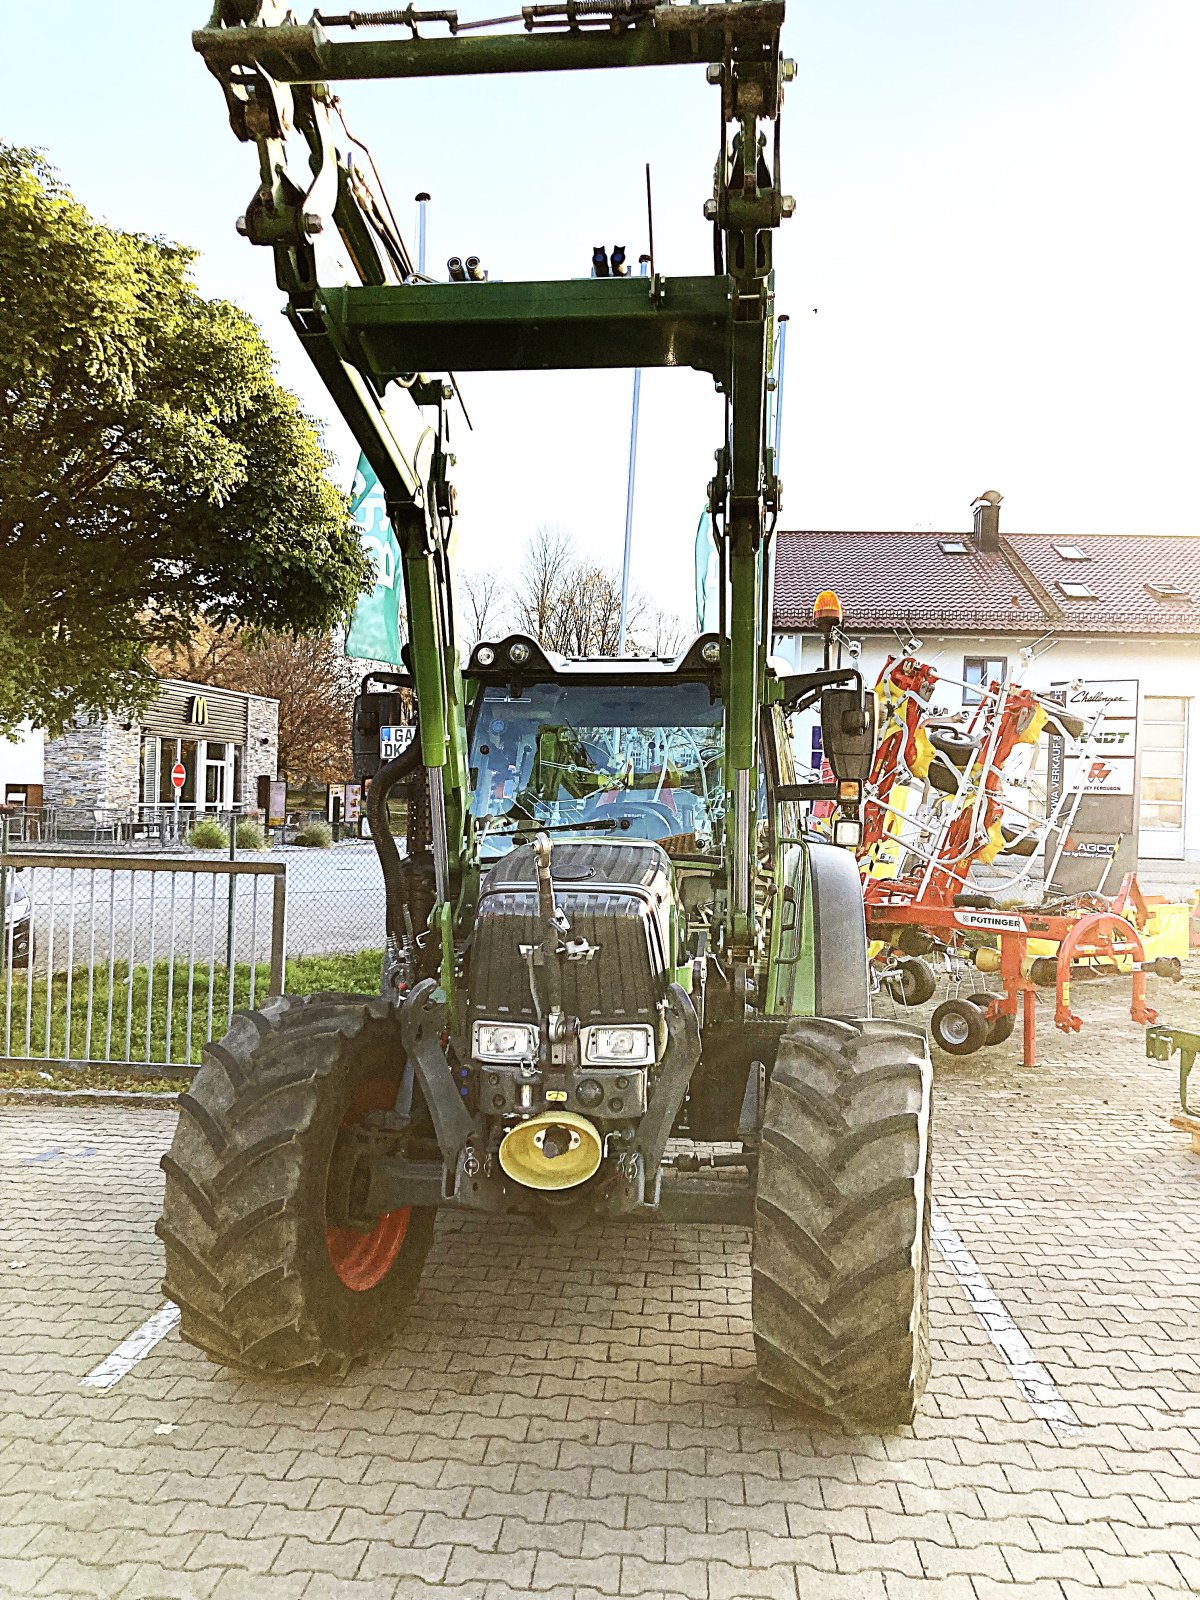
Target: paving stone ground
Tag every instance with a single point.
(576, 1417)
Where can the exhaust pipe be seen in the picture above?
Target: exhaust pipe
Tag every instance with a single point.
(599, 262)
(475, 269)
(554, 1150)
(620, 267)
(457, 271)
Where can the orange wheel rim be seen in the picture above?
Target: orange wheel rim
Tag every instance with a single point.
(362, 1260)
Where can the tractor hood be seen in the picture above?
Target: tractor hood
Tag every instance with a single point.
(616, 897)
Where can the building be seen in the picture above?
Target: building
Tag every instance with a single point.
(224, 741)
(1116, 615)
(22, 760)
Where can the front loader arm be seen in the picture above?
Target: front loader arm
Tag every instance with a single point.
(328, 228)
(371, 328)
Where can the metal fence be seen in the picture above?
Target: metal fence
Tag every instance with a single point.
(131, 961)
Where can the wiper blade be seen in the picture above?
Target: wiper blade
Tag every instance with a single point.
(602, 825)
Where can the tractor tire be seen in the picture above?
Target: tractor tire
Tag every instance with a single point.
(262, 1282)
(913, 981)
(840, 1261)
(1001, 1027)
(959, 1027)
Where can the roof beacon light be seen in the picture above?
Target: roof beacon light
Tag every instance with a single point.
(827, 609)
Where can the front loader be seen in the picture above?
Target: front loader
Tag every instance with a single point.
(622, 980)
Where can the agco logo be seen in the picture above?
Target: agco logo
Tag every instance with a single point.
(198, 711)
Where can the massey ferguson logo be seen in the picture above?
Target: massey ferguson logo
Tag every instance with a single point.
(1099, 771)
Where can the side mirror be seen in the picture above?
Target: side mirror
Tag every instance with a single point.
(848, 733)
(375, 709)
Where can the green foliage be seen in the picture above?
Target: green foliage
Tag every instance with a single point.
(249, 836)
(208, 835)
(152, 470)
(316, 835)
(349, 974)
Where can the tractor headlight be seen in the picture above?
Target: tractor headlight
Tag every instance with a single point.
(848, 832)
(629, 1046)
(504, 1041)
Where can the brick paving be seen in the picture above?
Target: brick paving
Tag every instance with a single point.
(576, 1417)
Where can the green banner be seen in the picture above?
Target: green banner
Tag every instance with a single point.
(708, 610)
(375, 632)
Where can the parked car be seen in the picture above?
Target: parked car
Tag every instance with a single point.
(18, 921)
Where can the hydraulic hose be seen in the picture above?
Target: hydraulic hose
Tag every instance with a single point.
(392, 864)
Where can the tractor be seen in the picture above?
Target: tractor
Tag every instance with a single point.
(623, 979)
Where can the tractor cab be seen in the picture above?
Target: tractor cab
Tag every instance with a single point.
(632, 750)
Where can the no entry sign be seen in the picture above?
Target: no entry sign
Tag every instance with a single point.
(178, 774)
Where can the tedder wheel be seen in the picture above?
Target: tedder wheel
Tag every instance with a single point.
(262, 1279)
(959, 1027)
(1001, 1027)
(913, 981)
(840, 1264)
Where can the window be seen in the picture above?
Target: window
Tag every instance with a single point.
(979, 672)
(1077, 591)
(1072, 552)
(1162, 780)
(643, 758)
(1167, 591)
(954, 547)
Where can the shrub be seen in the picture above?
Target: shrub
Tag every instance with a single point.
(316, 835)
(207, 835)
(249, 836)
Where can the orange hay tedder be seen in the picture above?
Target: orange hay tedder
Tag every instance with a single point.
(948, 795)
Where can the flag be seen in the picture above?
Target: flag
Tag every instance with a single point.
(374, 633)
(707, 606)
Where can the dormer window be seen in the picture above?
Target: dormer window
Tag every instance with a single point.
(1165, 590)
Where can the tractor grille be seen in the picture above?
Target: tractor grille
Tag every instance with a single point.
(614, 895)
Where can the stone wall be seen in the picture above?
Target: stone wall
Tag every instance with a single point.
(124, 760)
(93, 764)
(261, 759)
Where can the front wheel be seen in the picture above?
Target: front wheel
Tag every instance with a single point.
(959, 1027)
(264, 1275)
(840, 1261)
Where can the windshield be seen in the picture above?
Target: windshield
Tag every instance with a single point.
(639, 759)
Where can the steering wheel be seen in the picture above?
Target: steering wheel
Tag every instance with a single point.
(661, 817)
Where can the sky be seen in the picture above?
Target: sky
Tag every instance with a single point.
(990, 274)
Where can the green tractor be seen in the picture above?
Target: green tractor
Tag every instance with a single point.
(623, 978)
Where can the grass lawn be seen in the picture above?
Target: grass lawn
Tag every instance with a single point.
(147, 992)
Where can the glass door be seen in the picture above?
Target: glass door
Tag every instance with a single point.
(1161, 789)
(216, 777)
(170, 751)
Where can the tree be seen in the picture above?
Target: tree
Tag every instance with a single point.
(544, 577)
(480, 617)
(572, 605)
(662, 633)
(152, 470)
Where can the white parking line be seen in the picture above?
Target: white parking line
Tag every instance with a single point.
(130, 1351)
(1034, 1382)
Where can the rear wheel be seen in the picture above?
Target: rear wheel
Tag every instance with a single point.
(257, 1260)
(1002, 1024)
(912, 981)
(840, 1262)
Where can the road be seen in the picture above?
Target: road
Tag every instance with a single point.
(574, 1416)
